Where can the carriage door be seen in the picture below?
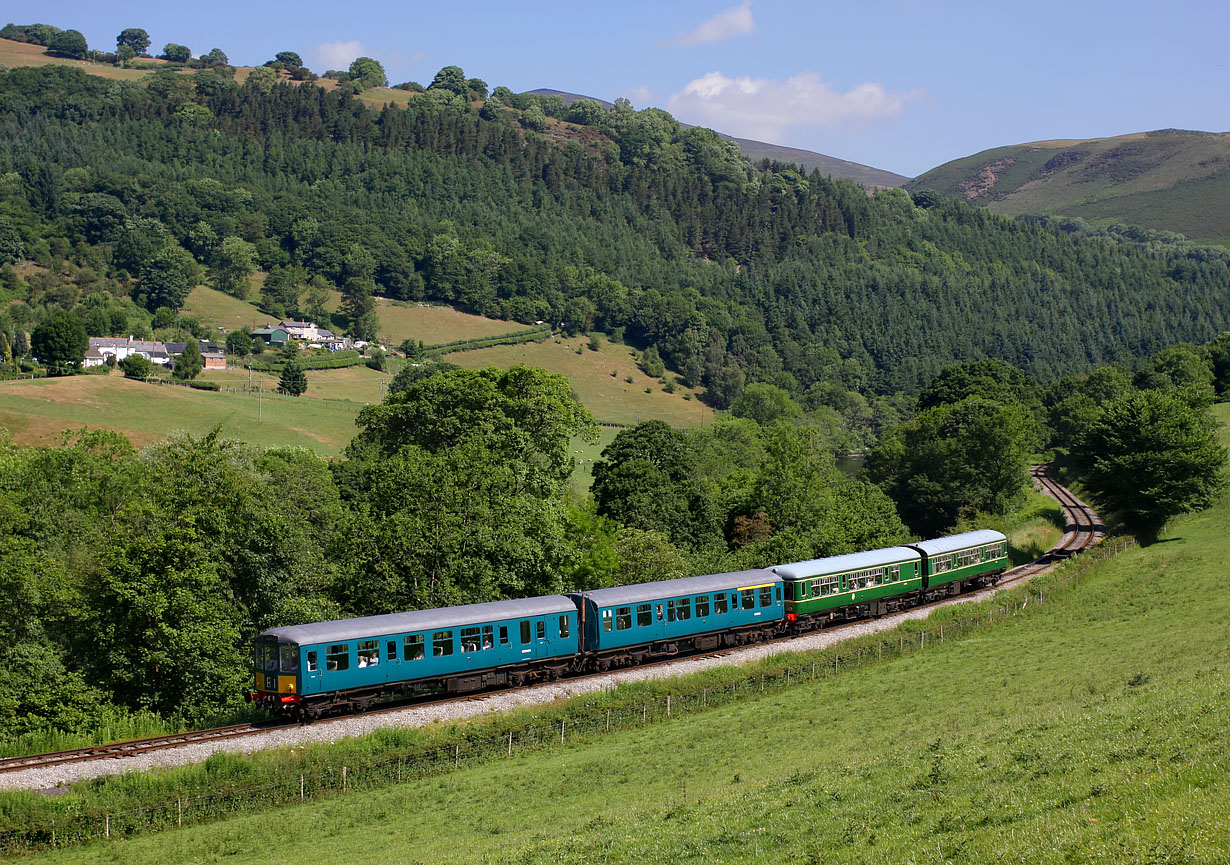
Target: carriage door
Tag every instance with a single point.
(312, 659)
(392, 659)
(542, 637)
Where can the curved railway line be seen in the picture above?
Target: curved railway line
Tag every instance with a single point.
(1083, 529)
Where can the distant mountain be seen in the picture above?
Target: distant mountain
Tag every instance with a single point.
(1170, 179)
(757, 150)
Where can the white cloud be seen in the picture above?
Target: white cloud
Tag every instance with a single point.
(640, 97)
(337, 55)
(733, 22)
(764, 108)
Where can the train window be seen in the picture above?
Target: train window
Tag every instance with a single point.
(525, 632)
(412, 647)
(670, 611)
(683, 608)
(337, 658)
(607, 621)
(267, 655)
(503, 635)
(747, 598)
(311, 665)
(390, 650)
(442, 643)
(563, 627)
(369, 653)
(893, 573)
(966, 558)
(644, 615)
(288, 658)
(719, 604)
(766, 596)
(470, 638)
(623, 618)
(702, 606)
(777, 592)
(540, 628)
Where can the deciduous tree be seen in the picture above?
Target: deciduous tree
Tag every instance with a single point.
(135, 38)
(60, 342)
(1151, 456)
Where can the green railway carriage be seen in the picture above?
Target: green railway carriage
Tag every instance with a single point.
(852, 586)
(961, 561)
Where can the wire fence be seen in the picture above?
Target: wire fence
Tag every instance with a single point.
(331, 780)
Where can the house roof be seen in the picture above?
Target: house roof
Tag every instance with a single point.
(298, 324)
(204, 345)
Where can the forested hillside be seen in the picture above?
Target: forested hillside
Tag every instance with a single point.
(660, 235)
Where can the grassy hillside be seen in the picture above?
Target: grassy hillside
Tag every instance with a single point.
(1093, 728)
(1172, 180)
(34, 412)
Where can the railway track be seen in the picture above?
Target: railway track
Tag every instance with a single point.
(1083, 530)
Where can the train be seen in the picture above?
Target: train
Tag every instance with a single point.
(306, 671)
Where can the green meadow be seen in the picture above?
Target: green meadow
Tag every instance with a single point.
(36, 411)
(1090, 728)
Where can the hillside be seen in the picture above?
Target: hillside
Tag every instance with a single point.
(1169, 180)
(732, 272)
(1091, 727)
(757, 150)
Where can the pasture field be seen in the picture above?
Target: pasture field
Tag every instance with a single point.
(26, 54)
(1092, 728)
(35, 412)
(599, 379)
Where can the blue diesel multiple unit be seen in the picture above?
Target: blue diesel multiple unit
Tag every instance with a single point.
(306, 670)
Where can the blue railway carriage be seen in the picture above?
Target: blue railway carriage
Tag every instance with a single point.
(959, 562)
(851, 586)
(307, 670)
(631, 624)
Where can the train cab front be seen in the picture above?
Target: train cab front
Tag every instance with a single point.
(278, 683)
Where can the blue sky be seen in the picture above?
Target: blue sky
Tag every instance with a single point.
(902, 86)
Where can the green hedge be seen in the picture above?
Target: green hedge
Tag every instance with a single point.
(533, 334)
(337, 360)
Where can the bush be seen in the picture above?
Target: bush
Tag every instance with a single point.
(204, 385)
(137, 367)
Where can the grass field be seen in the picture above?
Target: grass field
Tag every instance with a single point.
(24, 54)
(36, 411)
(1094, 728)
(599, 379)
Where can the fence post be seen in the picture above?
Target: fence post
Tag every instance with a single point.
(106, 817)
(457, 756)
(941, 633)
(813, 669)
(510, 742)
(923, 641)
(561, 730)
(300, 788)
(644, 712)
(343, 779)
(179, 812)
(668, 705)
(608, 720)
(704, 696)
